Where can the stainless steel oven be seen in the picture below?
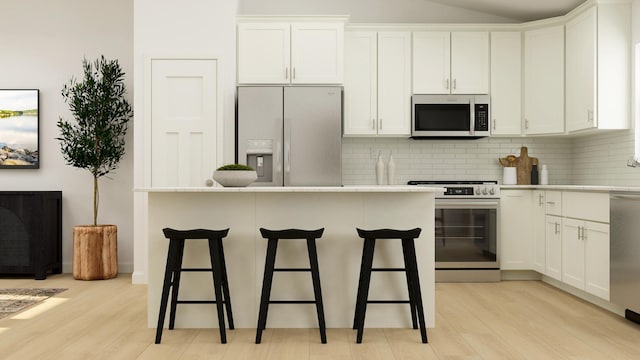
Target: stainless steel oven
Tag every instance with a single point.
(466, 230)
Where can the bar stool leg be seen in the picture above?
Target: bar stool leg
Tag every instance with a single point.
(225, 285)
(176, 282)
(217, 287)
(412, 300)
(368, 262)
(315, 275)
(266, 287)
(166, 286)
(413, 264)
(359, 294)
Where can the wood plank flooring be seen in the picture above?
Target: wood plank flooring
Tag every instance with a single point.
(506, 320)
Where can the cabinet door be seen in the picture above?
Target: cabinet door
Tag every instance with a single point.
(506, 83)
(470, 62)
(581, 71)
(431, 62)
(539, 232)
(544, 80)
(596, 238)
(573, 253)
(263, 53)
(553, 248)
(360, 83)
(317, 53)
(394, 83)
(516, 229)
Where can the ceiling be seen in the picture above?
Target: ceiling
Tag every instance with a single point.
(522, 10)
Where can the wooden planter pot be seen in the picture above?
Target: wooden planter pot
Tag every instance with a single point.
(95, 252)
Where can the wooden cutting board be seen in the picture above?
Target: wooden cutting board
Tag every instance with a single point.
(522, 164)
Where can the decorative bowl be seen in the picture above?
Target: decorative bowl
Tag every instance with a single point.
(235, 178)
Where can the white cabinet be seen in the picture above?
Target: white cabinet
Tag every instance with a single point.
(544, 80)
(506, 83)
(553, 247)
(598, 69)
(296, 53)
(377, 85)
(516, 229)
(585, 242)
(450, 63)
(539, 231)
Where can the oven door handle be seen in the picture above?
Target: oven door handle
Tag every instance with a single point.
(467, 204)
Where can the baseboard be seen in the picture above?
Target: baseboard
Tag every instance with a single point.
(506, 275)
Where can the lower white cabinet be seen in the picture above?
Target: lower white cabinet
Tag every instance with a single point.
(516, 230)
(539, 232)
(585, 256)
(553, 247)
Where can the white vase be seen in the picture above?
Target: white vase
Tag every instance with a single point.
(544, 176)
(380, 170)
(391, 171)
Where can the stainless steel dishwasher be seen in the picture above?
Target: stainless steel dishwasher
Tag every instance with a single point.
(625, 252)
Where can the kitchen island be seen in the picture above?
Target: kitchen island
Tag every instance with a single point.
(339, 210)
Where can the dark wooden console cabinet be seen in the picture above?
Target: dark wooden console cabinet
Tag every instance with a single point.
(31, 232)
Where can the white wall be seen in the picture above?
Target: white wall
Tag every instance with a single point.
(43, 44)
(179, 29)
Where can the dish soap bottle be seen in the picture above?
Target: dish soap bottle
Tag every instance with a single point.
(544, 176)
(534, 174)
(380, 170)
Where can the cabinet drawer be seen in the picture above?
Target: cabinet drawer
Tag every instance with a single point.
(553, 203)
(586, 205)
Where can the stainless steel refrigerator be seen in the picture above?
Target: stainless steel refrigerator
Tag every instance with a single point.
(291, 135)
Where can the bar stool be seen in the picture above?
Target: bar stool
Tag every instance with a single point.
(269, 267)
(410, 269)
(174, 268)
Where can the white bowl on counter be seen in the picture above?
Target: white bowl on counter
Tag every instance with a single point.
(235, 178)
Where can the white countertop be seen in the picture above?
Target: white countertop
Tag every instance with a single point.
(573, 188)
(299, 189)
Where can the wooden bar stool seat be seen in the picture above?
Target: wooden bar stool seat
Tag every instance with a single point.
(410, 269)
(174, 268)
(269, 268)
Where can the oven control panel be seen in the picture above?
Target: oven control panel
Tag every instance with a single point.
(464, 189)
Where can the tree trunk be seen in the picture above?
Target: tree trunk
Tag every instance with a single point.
(95, 252)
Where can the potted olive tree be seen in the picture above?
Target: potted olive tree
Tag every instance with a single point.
(95, 142)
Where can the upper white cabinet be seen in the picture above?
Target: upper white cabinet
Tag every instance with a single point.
(450, 62)
(296, 53)
(544, 80)
(377, 86)
(506, 83)
(598, 69)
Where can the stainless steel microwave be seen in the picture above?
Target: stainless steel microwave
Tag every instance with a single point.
(450, 116)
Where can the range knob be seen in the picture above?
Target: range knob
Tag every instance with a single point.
(484, 191)
(492, 191)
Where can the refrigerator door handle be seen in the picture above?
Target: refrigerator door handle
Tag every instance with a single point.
(287, 156)
(278, 157)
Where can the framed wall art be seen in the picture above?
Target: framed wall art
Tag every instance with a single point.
(19, 129)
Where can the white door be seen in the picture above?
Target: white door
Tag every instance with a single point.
(394, 83)
(470, 62)
(360, 83)
(185, 109)
(516, 230)
(506, 83)
(264, 53)
(431, 62)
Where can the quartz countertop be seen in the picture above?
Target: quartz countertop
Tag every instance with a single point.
(597, 188)
(292, 189)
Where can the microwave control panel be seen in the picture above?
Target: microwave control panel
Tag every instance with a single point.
(482, 117)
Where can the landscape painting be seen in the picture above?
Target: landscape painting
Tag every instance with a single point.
(19, 129)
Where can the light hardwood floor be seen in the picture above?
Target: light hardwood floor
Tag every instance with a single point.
(506, 320)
